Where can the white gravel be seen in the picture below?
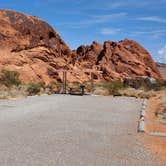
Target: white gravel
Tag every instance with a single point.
(61, 130)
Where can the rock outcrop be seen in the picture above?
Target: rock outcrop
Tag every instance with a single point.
(34, 49)
(31, 46)
(118, 60)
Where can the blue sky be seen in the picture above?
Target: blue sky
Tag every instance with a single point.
(83, 21)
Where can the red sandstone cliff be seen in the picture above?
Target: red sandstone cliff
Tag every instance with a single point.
(31, 47)
(34, 49)
(118, 59)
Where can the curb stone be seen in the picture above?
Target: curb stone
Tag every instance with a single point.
(141, 123)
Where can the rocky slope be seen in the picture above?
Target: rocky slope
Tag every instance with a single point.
(34, 49)
(31, 47)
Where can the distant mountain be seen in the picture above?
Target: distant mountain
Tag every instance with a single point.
(162, 68)
(33, 48)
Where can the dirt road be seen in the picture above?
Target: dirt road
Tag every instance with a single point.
(61, 130)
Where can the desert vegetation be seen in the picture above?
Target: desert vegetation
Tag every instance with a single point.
(140, 88)
(108, 88)
(11, 86)
(9, 78)
(34, 88)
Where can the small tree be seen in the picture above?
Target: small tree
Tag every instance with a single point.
(10, 78)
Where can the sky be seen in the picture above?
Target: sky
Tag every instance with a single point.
(80, 22)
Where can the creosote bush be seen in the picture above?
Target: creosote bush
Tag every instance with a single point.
(140, 88)
(144, 83)
(54, 87)
(35, 88)
(9, 78)
(112, 87)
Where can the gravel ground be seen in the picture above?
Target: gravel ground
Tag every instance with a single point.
(61, 130)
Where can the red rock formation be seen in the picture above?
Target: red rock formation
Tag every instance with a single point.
(87, 55)
(31, 47)
(34, 49)
(121, 59)
(162, 68)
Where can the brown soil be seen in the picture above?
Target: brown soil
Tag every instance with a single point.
(154, 143)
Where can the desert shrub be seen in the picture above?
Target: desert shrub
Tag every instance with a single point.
(75, 84)
(159, 85)
(54, 87)
(101, 91)
(130, 92)
(137, 83)
(138, 93)
(14, 91)
(9, 78)
(113, 87)
(144, 83)
(35, 88)
(147, 94)
(75, 87)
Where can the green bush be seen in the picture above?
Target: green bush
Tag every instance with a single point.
(35, 88)
(9, 78)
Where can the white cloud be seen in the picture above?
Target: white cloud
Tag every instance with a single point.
(109, 31)
(116, 5)
(153, 19)
(151, 33)
(102, 18)
(162, 54)
(95, 19)
(121, 4)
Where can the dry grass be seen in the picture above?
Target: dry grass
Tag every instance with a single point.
(101, 91)
(108, 88)
(10, 86)
(12, 92)
(138, 93)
